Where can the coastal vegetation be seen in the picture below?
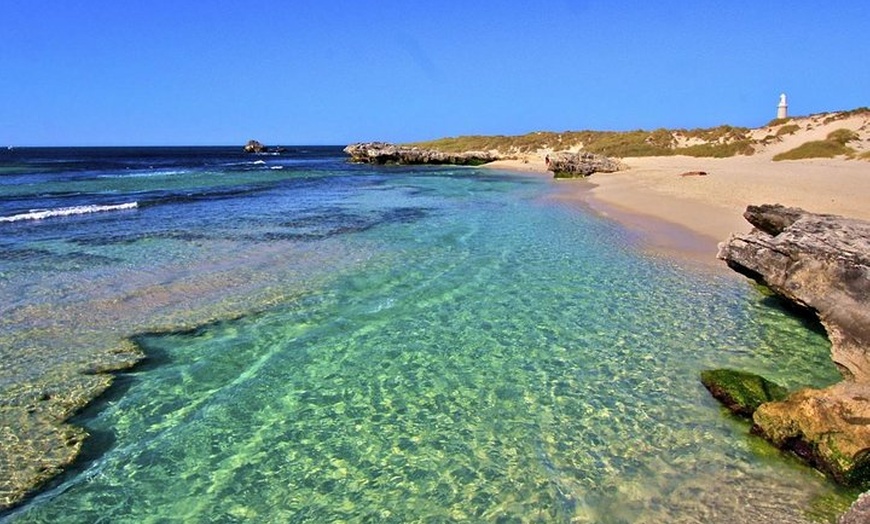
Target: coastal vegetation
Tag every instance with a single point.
(717, 142)
(721, 141)
(835, 144)
(789, 129)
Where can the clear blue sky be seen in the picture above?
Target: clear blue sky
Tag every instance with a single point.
(177, 72)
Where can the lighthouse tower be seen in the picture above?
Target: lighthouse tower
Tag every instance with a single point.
(782, 108)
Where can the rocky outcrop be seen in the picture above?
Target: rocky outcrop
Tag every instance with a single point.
(578, 165)
(820, 263)
(254, 147)
(741, 392)
(384, 153)
(828, 428)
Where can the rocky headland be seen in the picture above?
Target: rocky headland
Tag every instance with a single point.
(384, 153)
(563, 164)
(821, 264)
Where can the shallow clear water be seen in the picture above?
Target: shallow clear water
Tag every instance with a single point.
(404, 345)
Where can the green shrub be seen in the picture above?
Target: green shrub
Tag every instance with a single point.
(788, 130)
(842, 136)
(739, 147)
(815, 149)
(777, 121)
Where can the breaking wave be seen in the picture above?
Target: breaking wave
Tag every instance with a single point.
(39, 214)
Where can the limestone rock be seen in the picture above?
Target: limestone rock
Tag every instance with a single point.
(741, 392)
(578, 165)
(829, 428)
(821, 262)
(385, 153)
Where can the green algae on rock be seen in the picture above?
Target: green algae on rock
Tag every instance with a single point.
(740, 391)
(829, 428)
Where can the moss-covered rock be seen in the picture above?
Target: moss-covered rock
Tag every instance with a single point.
(740, 391)
(829, 428)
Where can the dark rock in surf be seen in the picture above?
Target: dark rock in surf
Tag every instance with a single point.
(254, 147)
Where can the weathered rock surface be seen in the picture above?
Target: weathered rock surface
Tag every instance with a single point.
(384, 153)
(741, 392)
(828, 428)
(577, 165)
(821, 262)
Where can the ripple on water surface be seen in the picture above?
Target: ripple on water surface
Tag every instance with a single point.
(496, 359)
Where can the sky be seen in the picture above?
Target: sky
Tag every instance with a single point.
(187, 72)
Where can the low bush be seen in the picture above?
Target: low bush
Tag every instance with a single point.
(842, 136)
(788, 130)
(815, 149)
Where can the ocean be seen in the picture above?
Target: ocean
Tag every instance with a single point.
(335, 342)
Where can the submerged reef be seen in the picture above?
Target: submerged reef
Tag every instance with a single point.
(820, 263)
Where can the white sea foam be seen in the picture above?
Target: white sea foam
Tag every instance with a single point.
(276, 167)
(146, 174)
(39, 214)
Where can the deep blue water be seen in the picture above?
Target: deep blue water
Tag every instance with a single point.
(337, 342)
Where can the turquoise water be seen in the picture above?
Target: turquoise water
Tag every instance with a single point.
(478, 352)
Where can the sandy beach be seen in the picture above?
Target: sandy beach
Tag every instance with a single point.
(690, 214)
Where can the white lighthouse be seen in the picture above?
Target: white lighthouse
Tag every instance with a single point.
(782, 108)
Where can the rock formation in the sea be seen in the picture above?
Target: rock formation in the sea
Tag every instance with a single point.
(565, 164)
(741, 392)
(384, 153)
(254, 146)
(820, 263)
(828, 428)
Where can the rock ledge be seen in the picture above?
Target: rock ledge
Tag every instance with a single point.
(820, 263)
(385, 153)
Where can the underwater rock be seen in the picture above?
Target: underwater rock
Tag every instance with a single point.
(828, 428)
(740, 391)
(385, 153)
(565, 164)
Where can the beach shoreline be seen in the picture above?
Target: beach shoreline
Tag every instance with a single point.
(686, 215)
